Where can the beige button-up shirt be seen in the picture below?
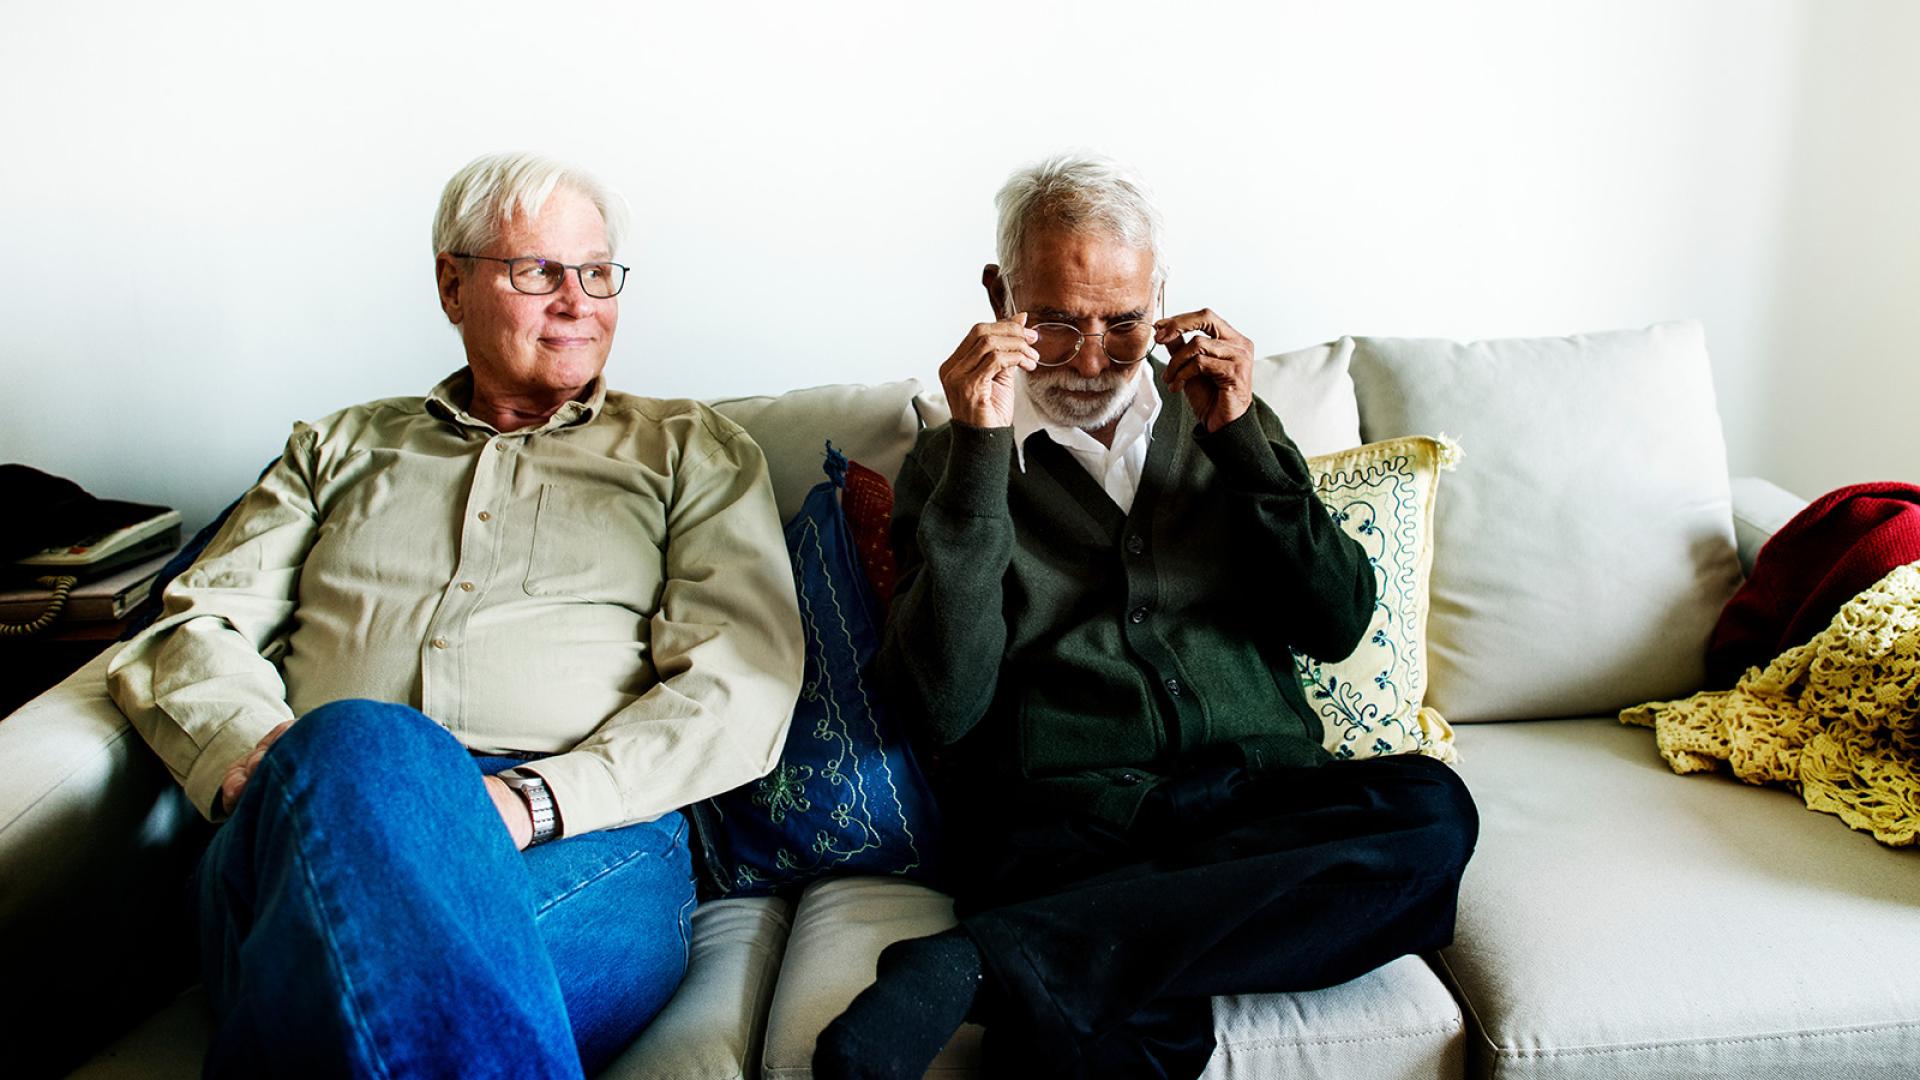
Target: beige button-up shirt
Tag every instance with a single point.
(610, 587)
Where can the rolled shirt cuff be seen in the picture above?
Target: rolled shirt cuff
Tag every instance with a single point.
(235, 741)
(586, 798)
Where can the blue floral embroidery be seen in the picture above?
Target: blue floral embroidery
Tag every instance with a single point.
(847, 796)
(1367, 711)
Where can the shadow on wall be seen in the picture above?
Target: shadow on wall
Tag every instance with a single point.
(1841, 380)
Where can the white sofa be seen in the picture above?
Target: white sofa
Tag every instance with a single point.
(1616, 920)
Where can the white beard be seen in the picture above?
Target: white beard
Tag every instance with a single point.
(1047, 390)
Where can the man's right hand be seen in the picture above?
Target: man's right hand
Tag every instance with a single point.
(235, 782)
(978, 377)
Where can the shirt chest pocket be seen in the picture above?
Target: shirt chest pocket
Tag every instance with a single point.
(603, 546)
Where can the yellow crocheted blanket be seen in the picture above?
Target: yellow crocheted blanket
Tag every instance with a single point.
(1838, 717)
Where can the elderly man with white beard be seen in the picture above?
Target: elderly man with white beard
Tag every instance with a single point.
(1105, 561)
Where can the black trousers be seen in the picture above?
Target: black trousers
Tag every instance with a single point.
(1107, 945)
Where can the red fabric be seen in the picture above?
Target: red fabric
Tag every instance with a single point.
(1841, 544)
(867, 501)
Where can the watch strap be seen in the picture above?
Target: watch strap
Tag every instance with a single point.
(533, 791)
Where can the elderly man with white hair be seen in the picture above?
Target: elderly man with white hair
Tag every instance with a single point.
(451, 667)
(1105, 561)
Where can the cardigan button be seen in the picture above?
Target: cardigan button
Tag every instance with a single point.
(1173, 687)
(1128, 778)
(1135, 545)
(1139, 615)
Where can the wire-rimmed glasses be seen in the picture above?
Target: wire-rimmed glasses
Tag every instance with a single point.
(1126, 342)
(538, 277)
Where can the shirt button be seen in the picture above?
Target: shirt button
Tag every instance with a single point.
(1138, 615)
(1173, 687)
(501, 446)
(466, 586)
(1135, 545)
(439, 643)
(484, 516)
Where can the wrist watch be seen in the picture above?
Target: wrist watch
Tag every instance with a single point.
(533, 791)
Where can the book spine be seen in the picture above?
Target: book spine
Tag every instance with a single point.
(78, 609)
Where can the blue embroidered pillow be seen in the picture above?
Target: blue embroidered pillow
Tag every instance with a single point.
(847, 796)
(1372, 702)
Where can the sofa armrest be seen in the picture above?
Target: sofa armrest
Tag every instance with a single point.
(1760, 508)
(96, 846)
(82, 793)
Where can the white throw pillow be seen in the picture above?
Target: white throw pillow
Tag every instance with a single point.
(1585, 546)
(873, 425)
(1312, 394)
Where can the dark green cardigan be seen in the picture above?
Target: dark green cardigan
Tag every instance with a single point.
(1058, 655)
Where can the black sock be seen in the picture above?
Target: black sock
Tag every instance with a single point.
(896, 1027)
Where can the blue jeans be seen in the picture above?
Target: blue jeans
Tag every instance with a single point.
(364, 913)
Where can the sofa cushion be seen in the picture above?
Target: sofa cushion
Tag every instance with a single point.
(874, 425)
(1370, 703)
(1760, 509)
(172, 1043)
(709, 1030)
(1618, 920)
(1396, 1022)
(1586, 543)
(96, 841)
(1311, 391)
(839, 927)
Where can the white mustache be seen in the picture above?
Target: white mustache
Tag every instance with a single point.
(1066, 380)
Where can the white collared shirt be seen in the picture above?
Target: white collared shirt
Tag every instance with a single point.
(1116, 468)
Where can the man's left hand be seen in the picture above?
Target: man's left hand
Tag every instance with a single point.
(1214, 370)
(513, 811)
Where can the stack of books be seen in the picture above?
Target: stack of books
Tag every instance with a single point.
(115, 572)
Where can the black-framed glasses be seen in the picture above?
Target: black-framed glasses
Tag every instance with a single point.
(1126, 342)
(538, 277)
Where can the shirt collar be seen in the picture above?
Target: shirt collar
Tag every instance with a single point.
(451, 398)
(1135, 423)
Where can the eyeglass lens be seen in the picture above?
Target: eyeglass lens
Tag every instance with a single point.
(1126, 343)
(542, 276)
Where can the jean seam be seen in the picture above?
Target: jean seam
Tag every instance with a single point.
(599, 873)
(359, 1014)
(686, 932)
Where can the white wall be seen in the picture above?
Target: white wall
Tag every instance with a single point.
(214, 218)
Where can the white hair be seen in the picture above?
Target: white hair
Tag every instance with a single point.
(485, 194)
(1082, 192)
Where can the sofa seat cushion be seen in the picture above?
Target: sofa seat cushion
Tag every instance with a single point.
(1396, 1022)
(1619, 920)
(709, 1030)
(169, 1045)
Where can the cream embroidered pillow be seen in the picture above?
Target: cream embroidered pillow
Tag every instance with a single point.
(1371, 703)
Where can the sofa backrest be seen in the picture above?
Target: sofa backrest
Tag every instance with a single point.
(873, 425)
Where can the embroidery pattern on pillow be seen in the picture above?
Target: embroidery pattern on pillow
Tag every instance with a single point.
(1370, 703)
(847, 796)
